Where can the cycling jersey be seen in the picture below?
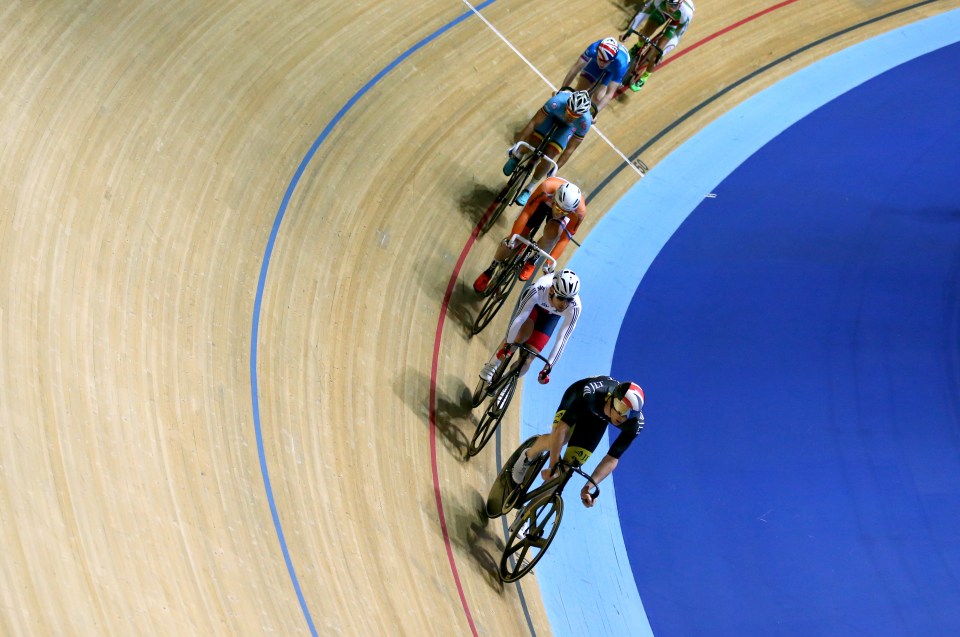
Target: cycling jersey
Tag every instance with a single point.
(615, 69)
(556, 109)
(677, 20)
(537, 297)
(540, 207)
(582, 409)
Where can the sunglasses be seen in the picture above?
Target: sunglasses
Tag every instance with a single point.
(621, 407)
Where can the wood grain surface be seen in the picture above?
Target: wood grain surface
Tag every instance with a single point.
(235, 357)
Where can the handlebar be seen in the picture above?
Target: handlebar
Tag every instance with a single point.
(645, 40)
(563, 465)
(525, 241)
(553, 165)
(529, 350)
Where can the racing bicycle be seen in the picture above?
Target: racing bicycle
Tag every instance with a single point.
(504, 277)
(540, 510)
(519, 179)
(500, 391)
(639, 54)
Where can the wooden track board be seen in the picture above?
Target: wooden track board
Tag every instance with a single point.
(146, 151)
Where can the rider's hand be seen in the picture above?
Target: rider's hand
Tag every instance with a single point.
(585, 496)
(546, 474)
(544, 375)
(548, 267)
(504, 351)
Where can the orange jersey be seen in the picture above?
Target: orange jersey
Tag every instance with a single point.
(543, 196)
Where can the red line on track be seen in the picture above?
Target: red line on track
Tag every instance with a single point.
(442, 318)
(433, 417)
(727, 29)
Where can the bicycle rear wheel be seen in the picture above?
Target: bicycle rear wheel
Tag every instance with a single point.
(494, 414)
(504, 488)
(529, 537)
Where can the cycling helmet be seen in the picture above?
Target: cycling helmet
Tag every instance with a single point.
(630, 397)
(566, 284)
(568, 197)
(579, 103)
(606, 51)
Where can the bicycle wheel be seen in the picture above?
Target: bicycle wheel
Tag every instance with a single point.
(515, 499)
(478, 394)
(504, 487)
(529, 537)
(501, 285)
(506, 196)
(494, 414)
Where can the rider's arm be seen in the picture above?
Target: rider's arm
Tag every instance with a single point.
(602, 96)
(558, 436)
(574, 71)
(571, 146)
(528, 299)
(567, 230)
(605, 468)
(641, 16)
(537, 119)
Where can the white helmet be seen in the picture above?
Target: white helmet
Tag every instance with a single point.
(579, 102)
(568, 197)
(566, 284)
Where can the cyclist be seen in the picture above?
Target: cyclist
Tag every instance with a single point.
(599, 70)
(674, 15)
(540, 308)
(568, 115)
(556, 200)
(585, 410)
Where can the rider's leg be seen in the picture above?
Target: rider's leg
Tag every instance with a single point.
(504, 251)
(550, 236)
(540, 446)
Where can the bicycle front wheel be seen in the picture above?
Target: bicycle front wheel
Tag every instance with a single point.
(529, 537)
(501, 284)
(506, 196)
(493, 415)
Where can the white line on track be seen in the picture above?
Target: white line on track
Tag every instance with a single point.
(548, 83)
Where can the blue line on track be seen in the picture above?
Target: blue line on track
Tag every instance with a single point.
(261, 284)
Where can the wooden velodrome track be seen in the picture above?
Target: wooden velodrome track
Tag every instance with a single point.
(234, 367)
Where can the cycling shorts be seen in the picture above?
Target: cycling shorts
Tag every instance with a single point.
(543, 325)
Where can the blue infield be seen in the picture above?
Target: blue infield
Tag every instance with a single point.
(797, 336)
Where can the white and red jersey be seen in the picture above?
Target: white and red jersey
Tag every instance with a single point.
(537, 297)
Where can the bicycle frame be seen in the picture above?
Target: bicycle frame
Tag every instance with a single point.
(539, 151)
(564, 471)
(527, 242)
(502, 282)
(518, 179)
(500, 390)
